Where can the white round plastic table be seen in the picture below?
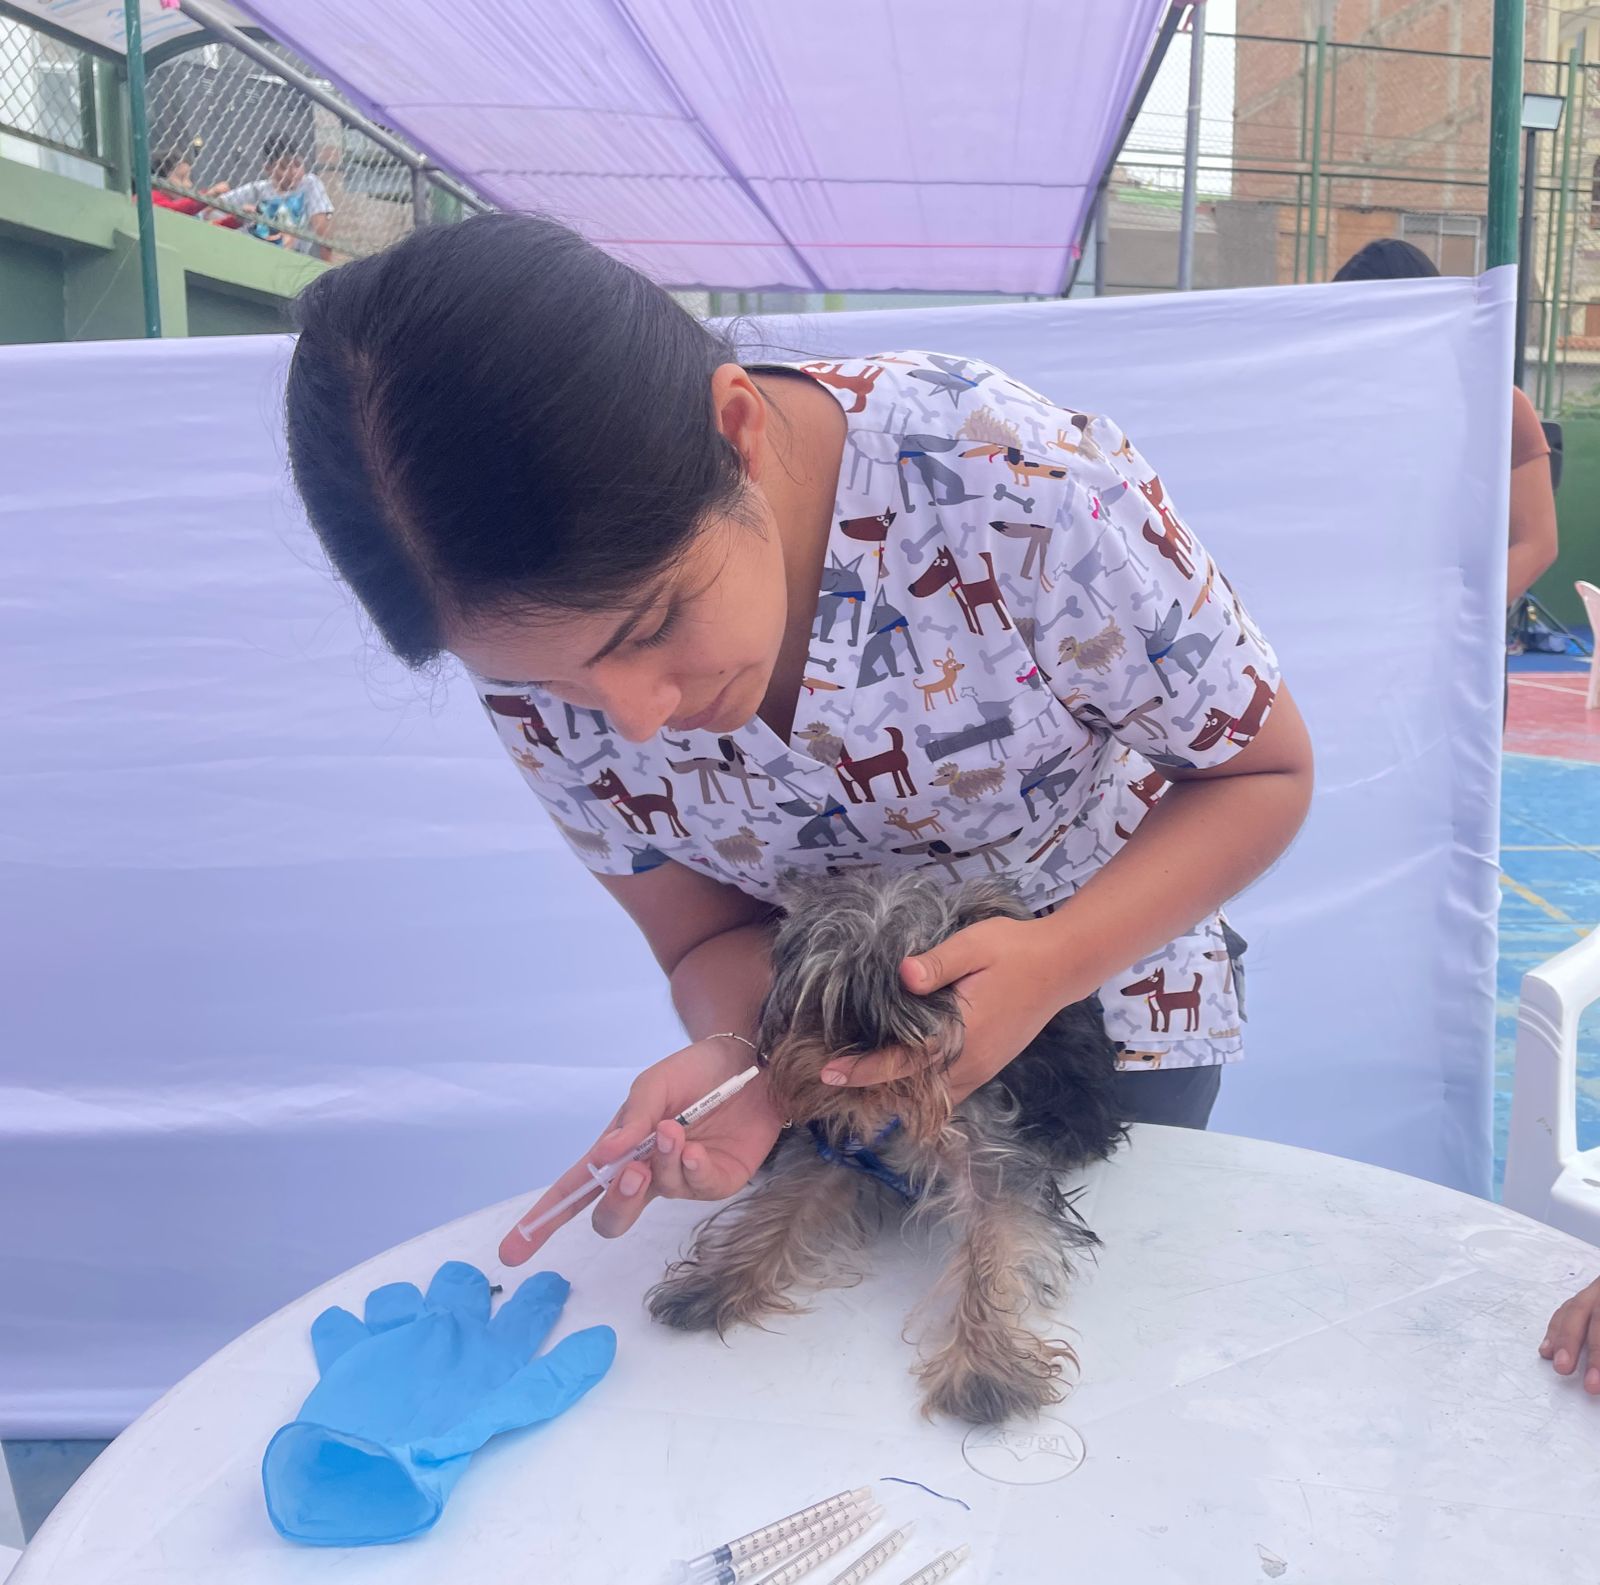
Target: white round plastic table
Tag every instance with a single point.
(1293, 1367)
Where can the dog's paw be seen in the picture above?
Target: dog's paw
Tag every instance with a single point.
(1006, 1379)
(687, 1302)
(693, 1300)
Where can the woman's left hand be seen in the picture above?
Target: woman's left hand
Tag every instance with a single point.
(1011, 981)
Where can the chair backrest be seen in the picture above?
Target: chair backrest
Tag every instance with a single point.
(1590, 596)
(1546, 1175)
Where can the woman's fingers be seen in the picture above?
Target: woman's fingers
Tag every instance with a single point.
(1591, 1377)
(530, 1233)
(666, 1165)
(694, 1169)
(712, 1173)
(633, 1122)
(1566, 1335)
(624, 1201)
(877, 1067)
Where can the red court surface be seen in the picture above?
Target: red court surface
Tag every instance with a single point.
(1548, 717)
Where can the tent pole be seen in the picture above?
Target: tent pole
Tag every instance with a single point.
(140, 127)
(1505, 115)
(1552, 318)
(1191, 145)
(1316, 158)
(1102, 240)
(1158, 53)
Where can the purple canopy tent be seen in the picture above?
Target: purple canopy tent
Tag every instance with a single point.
(842, 145)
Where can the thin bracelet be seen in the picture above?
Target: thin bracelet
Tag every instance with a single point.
(728, 1034)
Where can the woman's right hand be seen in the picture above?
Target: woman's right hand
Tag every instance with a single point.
(727, 1147)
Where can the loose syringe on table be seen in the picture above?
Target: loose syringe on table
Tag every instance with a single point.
(816, 1533)
(601, 1177)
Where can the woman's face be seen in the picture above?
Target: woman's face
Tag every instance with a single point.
(694, 652)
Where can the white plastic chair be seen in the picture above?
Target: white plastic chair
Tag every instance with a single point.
(1547, 1176)
(1591, 608)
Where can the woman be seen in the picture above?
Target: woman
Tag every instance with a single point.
(731, 621)
(1533, 538)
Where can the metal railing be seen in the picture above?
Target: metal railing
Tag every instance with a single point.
(233, 115)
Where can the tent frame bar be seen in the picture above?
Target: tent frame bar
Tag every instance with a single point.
(1152, 65)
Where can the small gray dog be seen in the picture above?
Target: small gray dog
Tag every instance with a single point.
(988, 1168)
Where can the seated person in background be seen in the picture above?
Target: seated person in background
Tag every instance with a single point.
(171, 167)
(1533, 500)
(1574, 1327)
(287, 196)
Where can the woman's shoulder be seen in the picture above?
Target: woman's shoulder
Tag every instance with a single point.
(945, 394)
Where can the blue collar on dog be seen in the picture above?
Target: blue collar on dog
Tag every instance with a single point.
(864, 1158)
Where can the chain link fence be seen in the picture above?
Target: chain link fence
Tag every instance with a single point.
(1306, 155)
(277, 164)
(232, 139)
(49, 104)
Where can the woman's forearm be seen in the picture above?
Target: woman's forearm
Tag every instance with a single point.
(1205, 840)
(1525, 566)
(1534, 535)
(720, 984)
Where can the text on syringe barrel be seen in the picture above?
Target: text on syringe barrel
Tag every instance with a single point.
(739, 1550)
(824, 1549)
(940, 1567)
(786, 1546)
(875, 1559)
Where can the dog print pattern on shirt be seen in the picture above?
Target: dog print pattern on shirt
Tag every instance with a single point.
(1016, 635)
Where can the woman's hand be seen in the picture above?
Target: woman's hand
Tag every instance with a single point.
(727, 1147)
(1574, 1328)
(1011, 980)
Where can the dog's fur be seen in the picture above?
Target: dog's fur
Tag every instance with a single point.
(988, 1167)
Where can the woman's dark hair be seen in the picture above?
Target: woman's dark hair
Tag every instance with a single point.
(166, 161)
(496, 415)
(1387, 259)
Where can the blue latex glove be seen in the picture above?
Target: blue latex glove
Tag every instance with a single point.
(408, 1395)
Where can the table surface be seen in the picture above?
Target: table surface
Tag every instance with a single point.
(1293, 1366)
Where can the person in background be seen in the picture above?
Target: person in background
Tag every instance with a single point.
(1573, 1328)
(1533, 501)
(172, 167)
(287, 196)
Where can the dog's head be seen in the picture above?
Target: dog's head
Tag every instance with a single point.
(836, 992)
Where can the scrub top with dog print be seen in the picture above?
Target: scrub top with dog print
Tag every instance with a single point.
(1016, 635)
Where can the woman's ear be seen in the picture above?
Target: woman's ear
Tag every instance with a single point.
(741, 414)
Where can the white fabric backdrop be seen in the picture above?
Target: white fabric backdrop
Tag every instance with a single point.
(293, 970)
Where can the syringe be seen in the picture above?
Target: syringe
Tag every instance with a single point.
(842, 1506)
(804, 1539)
(948, 1563)
(870, 1562)
(837, 1540)
(602, 1176)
